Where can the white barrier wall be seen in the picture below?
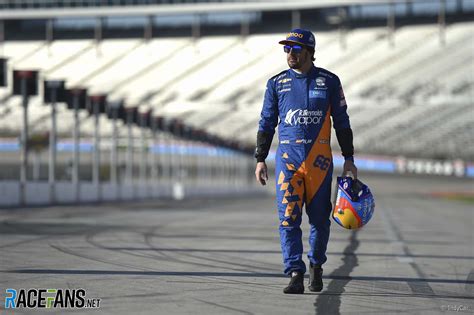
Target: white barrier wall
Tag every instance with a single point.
(37, 193)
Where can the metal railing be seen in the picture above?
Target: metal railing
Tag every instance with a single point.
(44, 4)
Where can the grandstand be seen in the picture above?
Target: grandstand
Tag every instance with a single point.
(409, 88)
(401, 96)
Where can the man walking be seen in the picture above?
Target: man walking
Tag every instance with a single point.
(301, 101)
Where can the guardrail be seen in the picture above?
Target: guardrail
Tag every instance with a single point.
(177, 172)
(35, 4)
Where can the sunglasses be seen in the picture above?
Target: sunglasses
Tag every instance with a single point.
(296, 49)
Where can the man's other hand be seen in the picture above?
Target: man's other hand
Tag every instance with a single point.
(349, 166)
(261, 173)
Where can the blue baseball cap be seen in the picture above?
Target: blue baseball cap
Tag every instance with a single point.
(300, 36)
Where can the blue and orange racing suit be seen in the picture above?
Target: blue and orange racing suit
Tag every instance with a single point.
(301, 105)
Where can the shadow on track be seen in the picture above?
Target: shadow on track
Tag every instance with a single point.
(330, 304)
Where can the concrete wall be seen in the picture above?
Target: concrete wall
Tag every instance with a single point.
(38, 193)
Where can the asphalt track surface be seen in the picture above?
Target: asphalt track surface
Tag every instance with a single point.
(223, 256)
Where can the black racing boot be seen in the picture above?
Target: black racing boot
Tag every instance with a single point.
(296, 285)
(315, 278)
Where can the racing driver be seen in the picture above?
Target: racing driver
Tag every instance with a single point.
(301, 101)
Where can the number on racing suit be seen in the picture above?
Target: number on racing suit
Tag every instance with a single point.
(322, 162)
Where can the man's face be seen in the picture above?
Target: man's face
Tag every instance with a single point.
(296, 56)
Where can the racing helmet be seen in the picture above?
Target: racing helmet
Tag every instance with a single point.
(354, 204)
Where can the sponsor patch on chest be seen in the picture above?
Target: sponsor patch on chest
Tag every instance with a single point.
(303, 117)
(320, 82)
(317, 94)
